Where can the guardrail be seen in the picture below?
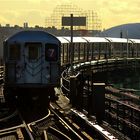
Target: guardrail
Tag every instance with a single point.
(65, 83)
(98, 66)
(1, 73)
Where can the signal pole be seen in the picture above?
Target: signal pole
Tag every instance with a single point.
(73, 21)
(71, 44)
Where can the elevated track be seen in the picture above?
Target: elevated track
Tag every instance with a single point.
(78, 75)
(119, 105)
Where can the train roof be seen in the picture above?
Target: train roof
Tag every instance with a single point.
(118, 40)
(33, 36)
(95, 39)
(66, 39)
(62, 40)
(76, 39)
(135, 40)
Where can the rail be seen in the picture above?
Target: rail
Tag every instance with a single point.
(86, 130)
(97, 128)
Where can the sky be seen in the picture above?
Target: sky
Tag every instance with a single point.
(111, 12)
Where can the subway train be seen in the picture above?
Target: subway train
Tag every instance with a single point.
(32, 65)
(33, 59)
(95, 48)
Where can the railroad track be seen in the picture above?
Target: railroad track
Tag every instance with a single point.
(20, 129)
(59, 123)
(46, 128)
(70, 128)
(13, 126)
(79, 126)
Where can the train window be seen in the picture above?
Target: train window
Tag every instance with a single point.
(51, 52)
(14, 52)
(33, 50)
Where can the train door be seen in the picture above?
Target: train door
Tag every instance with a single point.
(14, 52)
(33, 62)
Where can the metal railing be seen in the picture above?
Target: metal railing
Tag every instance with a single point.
(1, 73)
(65, 82)
(98, 66)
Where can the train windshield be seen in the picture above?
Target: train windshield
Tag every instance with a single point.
(33, 50)
(51, 52)
(14, 52)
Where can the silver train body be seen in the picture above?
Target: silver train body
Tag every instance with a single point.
(32, 63)
(95, 48)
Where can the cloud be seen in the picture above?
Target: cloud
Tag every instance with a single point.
(35, 11)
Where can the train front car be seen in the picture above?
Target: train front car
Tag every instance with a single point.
(32, 65)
